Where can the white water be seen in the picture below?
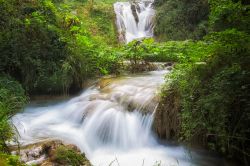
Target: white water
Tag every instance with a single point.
(127, 26)
(112, 125)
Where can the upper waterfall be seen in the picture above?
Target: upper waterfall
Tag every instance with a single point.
(134, 19)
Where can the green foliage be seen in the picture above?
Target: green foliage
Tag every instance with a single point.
(10, 160)
(105, 22)
(229, 14)
(212, 77)
(88, 59)
(181, 19)
(98, 20)
(53, 46)
(50, 47)
(66, 156)
(215, 94)
(171, 51)
(30, 43)
(12, 95)
(12, 99)
(134, 51)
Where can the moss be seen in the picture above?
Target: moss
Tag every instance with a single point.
(9, 160)
(68, 156)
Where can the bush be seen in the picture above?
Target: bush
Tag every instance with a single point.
(171, 51)
(67, 156)
(50, 47)
(10, 160)
(181, 19)
(12, 99)
(229, 14)
(214, 94)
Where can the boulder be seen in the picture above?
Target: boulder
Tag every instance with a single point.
(51, 153)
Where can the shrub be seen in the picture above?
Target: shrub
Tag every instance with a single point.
(10, 160)
(214, 94)
(12, 99)
(67, 156)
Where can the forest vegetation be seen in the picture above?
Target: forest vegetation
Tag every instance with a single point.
(210, 87)
(54, 46)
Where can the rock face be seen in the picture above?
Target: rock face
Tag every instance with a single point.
(51, 153)
(134, 7)
(167, 122)
(141, 66)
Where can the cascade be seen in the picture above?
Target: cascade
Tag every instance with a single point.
(134, 20)
(105, 123)
(110, 122)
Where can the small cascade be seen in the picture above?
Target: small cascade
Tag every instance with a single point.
(110, 122)
(134, 19)
(116, 112)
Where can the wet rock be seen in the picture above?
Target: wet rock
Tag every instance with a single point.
(134, 8)
(105, 81)
(169, 68)
(122, 36)
(167, 122)
(168, 64)
(45, 153)
(142, 66)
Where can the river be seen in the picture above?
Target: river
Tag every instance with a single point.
(111, 122)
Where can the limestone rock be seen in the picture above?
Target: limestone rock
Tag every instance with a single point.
(44, 153)
(167, 122)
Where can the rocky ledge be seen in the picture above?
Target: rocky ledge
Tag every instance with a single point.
(51, 153)
(167, 121)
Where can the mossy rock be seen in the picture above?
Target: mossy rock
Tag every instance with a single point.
(51, 153)
(69, 156)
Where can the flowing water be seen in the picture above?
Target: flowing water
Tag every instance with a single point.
(110, 122)
(134, 19)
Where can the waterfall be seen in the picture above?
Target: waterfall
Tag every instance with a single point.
(134, 19)
(110, 122)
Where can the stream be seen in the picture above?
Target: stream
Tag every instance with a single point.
(111, 122)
